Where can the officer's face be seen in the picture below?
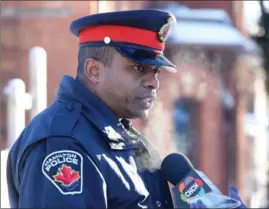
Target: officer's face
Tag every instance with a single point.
(130, 89)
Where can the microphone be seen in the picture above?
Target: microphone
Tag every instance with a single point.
(191, 185)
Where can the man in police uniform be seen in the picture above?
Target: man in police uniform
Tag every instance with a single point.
(82, 151)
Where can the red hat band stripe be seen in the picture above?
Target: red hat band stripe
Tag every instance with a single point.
(122, 34)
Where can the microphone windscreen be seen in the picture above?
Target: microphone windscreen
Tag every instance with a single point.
(175, 167)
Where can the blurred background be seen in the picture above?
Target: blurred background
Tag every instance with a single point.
(215, 109)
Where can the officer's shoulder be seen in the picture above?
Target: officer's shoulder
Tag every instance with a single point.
(54, 144)
(58, 119)
(65, 118)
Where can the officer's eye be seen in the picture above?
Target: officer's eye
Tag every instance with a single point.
(140, 68)
(144, 69)
(156, 70)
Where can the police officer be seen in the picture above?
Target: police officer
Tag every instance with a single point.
(82, 151)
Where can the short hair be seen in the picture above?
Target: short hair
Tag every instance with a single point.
(103, 54)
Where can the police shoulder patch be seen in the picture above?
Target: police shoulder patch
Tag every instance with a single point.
(64, 169)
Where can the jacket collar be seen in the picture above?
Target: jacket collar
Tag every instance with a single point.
(95, 110)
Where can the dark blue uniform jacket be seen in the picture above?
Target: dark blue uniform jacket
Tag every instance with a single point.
(77, 154)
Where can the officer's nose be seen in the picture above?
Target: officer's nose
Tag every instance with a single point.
(151, 80)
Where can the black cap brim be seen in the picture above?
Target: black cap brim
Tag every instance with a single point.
(146, 57)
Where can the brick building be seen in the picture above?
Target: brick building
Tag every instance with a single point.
(194, 95)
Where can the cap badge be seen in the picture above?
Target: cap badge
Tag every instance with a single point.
(165, 30)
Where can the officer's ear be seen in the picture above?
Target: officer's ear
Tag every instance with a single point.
(92, 70)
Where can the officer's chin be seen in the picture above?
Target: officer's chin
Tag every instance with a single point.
(138, 111)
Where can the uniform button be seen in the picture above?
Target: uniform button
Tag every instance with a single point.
(158, 203)
(107, 40)
(69, 107)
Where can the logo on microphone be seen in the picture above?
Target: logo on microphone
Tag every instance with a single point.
(191, 187)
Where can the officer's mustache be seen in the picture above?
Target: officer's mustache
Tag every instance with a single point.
(151, 94)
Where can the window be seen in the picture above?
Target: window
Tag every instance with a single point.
(186, 135)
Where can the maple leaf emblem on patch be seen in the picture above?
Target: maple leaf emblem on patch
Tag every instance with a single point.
(66, 175)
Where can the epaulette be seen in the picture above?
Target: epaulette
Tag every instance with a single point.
(65, 119)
